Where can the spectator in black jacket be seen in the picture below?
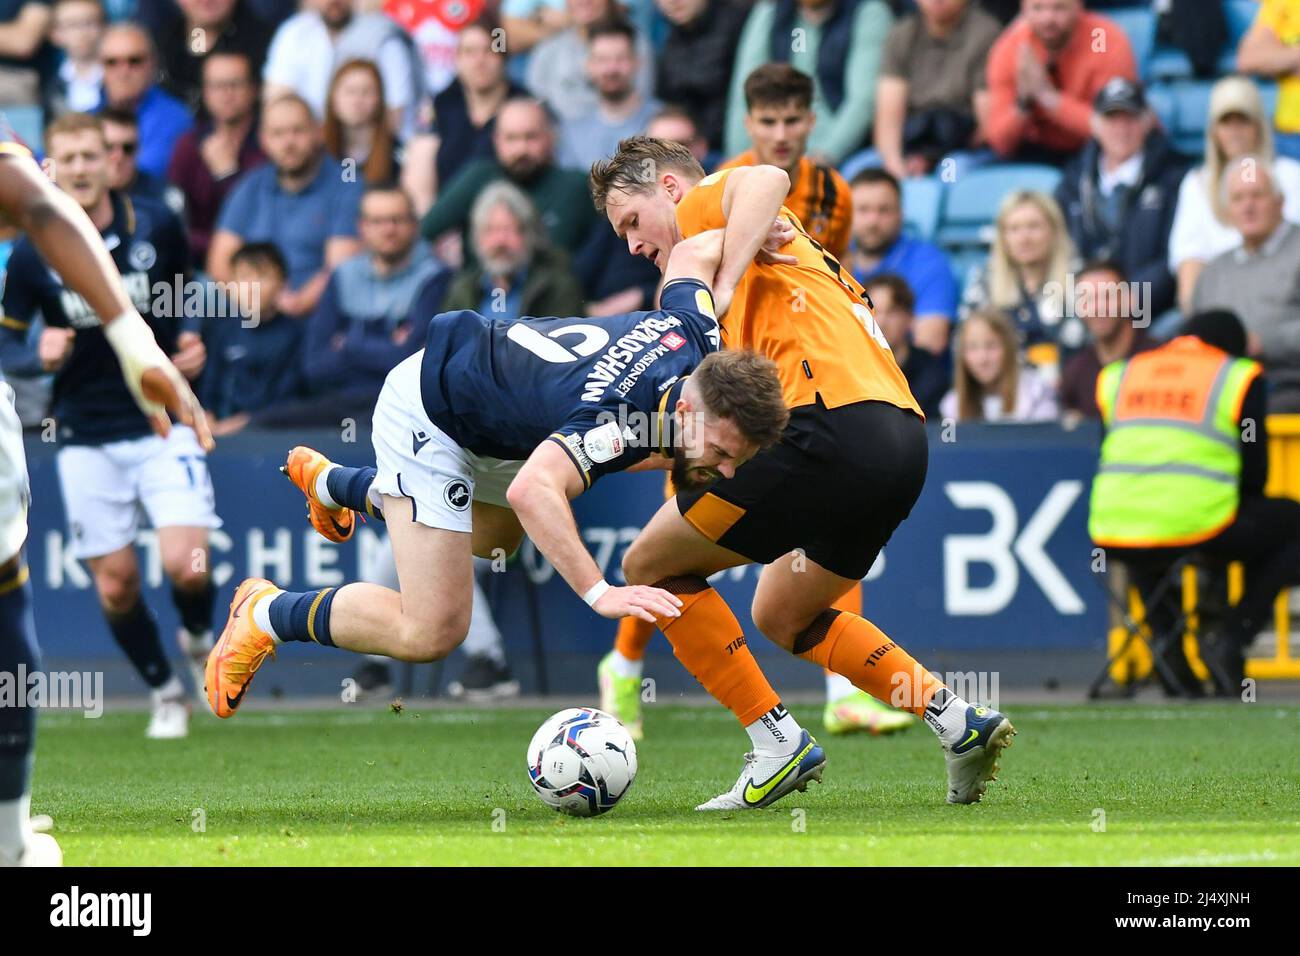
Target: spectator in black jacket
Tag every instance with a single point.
(702, 38)
(894, 305)
(1119, 195)
(252, 356)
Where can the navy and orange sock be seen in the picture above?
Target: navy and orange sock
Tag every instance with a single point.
(302, 616)
(350, 487)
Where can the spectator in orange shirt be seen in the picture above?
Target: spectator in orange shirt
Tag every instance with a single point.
(1044, 73)
(779, 120)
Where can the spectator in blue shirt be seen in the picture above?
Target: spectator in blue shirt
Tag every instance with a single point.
(251, 355)
(373, 314)
(879, 246)
(131, 83)
(300, 200)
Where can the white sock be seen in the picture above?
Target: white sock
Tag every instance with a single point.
(323, 490)
(262, 615)
(946, 715)
(170, 690)
(838, 687)
(776, 733)
(624, 666)
(14, 816)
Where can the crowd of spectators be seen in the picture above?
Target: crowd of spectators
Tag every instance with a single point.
(366, 164)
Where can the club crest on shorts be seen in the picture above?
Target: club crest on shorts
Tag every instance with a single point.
(456, 493)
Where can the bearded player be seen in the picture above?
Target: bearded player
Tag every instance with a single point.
(815, 509)
(70, 243)
(490, 431)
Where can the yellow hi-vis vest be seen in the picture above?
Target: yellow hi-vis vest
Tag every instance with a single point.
(1171, 460)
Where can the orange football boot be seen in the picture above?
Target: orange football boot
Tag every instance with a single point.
(239, 652)
(303, 468)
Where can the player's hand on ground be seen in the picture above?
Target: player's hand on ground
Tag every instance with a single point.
(638, 601)
(191, 355)
(780, 235)
(54, 347)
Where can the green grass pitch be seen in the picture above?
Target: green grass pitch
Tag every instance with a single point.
(1083, 785)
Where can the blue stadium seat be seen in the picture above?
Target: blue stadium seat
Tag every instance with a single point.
(1162, 104)
(1240, 14)
(1192, 107)
(973, 200)
(1139, 25)
(922, 206)
(28, 122)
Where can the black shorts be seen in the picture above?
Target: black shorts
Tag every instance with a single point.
(836, 486)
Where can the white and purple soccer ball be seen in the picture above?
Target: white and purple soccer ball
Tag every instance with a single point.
(582, 761)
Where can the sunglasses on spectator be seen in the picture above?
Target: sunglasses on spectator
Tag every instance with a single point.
(138, 60)
(127, 148)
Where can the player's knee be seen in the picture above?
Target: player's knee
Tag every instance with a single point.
(636, 569)
(777, 624)
(190, 577)
(427, 641)
(119, 589)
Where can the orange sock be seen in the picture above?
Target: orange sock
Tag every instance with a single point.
(851, 645)
(709, 642)
(851, 601)
(632, 637)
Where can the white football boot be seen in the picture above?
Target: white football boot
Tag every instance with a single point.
(170, 719)
(766, 779)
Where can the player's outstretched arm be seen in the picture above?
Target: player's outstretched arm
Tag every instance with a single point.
(68, 241)
(540, 496)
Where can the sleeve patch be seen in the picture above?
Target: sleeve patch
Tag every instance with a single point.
(604, 443)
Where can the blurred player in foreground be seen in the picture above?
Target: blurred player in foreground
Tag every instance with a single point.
(110, 467)
(816, 508)
(577, 398)
(70, 244)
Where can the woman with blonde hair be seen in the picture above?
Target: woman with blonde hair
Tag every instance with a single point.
(356, 122)
(989, 383)
(1238, 127)
(1026, 278)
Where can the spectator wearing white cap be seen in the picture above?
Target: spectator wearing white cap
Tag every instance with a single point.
(1202, 229)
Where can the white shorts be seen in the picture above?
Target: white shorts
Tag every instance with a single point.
(14, 493)
(107, 487)
(415, 459)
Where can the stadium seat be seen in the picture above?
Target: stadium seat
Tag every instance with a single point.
(28, 123)
(1240, 14)
(922, 206)
(1161, 101)
(973, 200)
(1139, 25)
(1191, 109)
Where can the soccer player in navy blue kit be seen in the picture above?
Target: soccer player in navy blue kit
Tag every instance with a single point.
(110, 464)
(488, 432)
(67, 238)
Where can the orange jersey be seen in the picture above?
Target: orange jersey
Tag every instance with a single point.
(820, 197)
(811, 318)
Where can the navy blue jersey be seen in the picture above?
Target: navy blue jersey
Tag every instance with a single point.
(501, 387)
(91, 401)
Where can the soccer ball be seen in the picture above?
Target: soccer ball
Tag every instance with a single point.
(582, 761)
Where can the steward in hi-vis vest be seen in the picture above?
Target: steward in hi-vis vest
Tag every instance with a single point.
(1170, 468)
